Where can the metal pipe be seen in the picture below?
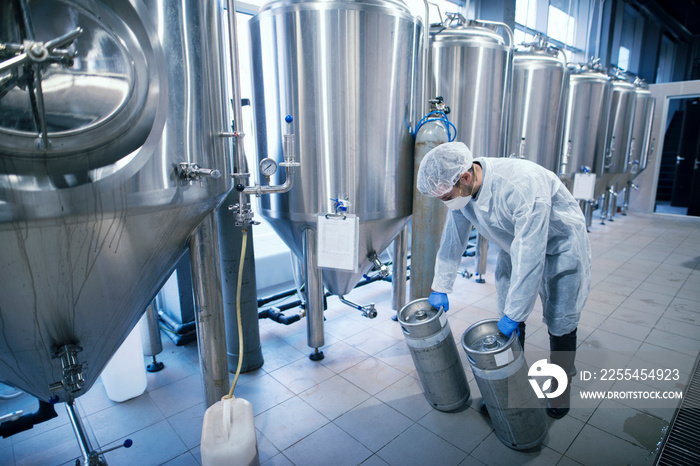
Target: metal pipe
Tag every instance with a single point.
(314, 293)
(398, 276)
(426, 55)
(209, 309)
(368, 310)
(83, 440)
(238, 134)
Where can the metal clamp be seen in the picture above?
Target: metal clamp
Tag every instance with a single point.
(73, 380)
(378, 265)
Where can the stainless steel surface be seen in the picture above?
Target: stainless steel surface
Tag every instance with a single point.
(150, 332)
(434, 352)
(348, 74)
(622, 111)
(209, 309)
(500, 371)
(313, 290)
(640, 144)
(481, 257)
(90, 456)
(91, 226)
(398, 275)
(471, 65)
(429, 215)
(585, 122)
(540, 86)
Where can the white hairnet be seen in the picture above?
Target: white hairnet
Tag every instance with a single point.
(441, 168)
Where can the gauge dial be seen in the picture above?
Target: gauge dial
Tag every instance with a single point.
(268, 167)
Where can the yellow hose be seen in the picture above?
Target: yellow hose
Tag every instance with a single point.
(238, 311)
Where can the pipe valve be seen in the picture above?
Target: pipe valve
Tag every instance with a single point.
(378, 265)
(193, 172)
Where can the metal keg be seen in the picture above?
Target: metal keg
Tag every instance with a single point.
(434, 352)
(500, 370)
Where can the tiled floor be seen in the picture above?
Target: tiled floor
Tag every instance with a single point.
(363, 404)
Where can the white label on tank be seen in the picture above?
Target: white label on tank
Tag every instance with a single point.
(504, 357)
(338, 239)
(584, 186)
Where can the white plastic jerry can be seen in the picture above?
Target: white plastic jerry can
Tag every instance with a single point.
(228, 434)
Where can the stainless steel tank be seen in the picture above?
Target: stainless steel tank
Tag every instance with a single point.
(640, 145)
(501, 373)
(622, 110)
(470, 66)
(434, 352)
(104, 164)
(585, 122)
(540, 85)
(347, 71)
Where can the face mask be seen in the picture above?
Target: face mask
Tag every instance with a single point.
(457, 203)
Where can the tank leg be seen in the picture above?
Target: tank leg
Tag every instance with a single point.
(398, 276)
(604, 207)
(482, 247)
(613, 204)
(589, 215)
(314, 295)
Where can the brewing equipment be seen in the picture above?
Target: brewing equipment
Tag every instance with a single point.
(501, 372)
(110, 156)
(470, 65)
(434, 352)
(349, 72)
(622, 111)
(585, 127)
(540, 85)
(641, 144)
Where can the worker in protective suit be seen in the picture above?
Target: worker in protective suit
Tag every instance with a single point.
(525, 210)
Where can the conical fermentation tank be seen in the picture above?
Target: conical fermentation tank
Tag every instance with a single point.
(640, 144)
(540, 85)
(111, 115)
(585, 122)
(347, 72)
(622, 107)
(470, 67)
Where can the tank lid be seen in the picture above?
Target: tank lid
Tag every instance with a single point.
(457, 26)
(539, 46)
(592, 67)
(87, 94)
(397, 5)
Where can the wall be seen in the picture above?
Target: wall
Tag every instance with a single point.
(644, 199)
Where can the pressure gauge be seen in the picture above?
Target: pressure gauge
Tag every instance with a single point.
(268, 167)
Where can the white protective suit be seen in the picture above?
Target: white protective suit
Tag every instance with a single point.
(525, 210)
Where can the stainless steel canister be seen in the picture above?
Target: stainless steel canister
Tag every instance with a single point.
(500, 370)
(434, 352)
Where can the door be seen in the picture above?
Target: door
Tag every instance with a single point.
(685, 159)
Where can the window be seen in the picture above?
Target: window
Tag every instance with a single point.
(623, 58)
(561, 26)
(526, 13)
(564, 22)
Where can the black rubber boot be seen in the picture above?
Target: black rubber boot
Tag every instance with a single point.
(562, 353)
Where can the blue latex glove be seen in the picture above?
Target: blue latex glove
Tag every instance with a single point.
(507, 326)
(437, 299)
